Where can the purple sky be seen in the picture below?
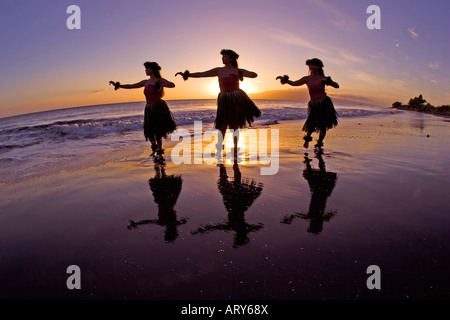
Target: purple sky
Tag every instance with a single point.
(44, 65)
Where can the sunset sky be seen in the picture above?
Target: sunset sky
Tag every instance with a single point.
(44, 65)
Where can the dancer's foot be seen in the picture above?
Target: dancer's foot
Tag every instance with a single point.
(154, 148)
(319, 145)
(307, 140)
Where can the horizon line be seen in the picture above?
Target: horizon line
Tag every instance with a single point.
(143, 101)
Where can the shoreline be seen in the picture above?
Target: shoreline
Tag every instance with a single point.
(434, 113)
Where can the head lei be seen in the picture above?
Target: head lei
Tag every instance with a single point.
(314, 62)
(233, 55)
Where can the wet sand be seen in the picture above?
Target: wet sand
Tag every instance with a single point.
(139, 230)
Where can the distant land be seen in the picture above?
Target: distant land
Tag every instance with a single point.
(301, 94)
(420, 104)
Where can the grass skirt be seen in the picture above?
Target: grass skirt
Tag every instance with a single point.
(234, 110)
(321, 115)
(158, 121)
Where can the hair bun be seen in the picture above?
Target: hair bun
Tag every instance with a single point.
(314, 62)
(152, 65)
(232, 54)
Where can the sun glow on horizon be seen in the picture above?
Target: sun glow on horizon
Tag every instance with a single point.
(247, 86)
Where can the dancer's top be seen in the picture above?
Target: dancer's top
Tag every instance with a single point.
(229, 84)
(317, 91)
(152, 94)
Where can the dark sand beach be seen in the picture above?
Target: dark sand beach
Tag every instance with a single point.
(378, 195)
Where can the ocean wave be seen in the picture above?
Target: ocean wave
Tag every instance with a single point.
(46, 131)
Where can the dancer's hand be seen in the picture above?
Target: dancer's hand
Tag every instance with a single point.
(184, 74)
(327, 80)
(283, 79)
(115, 84)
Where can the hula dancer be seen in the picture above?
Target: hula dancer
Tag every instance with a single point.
(321, 113)
(158, 119)
(234, 108)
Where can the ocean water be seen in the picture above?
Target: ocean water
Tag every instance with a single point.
(39, 143)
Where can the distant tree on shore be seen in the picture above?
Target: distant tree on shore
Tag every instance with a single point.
(420, 104)
(397, 105)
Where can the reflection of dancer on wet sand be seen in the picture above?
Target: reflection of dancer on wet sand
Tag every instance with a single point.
(321, 113)
(321, 184)
(158, 119)
(234, 107)
(238, 195)
(166, 190)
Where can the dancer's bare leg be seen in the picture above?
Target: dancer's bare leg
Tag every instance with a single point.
(154, 147)
(307, 139)
(322, 135)
(159, 143)
(220, 140)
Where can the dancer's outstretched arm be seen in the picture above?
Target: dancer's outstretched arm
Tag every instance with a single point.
(205, 74)
(117, 85)
(285, 79)
(247, 73)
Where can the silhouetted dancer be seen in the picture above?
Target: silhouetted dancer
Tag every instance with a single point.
(321, 113)
(234, 107)
(166, 190)
(238, 195)
(158, 119)
(321, 184)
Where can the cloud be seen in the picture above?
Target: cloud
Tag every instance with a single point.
(399, 83)
(380, 56)
(292, 39)
(431, 78)
(98, 91)
(340, 18)
(447, 96)
(434, 65)
(365, 77)
(334, 54)
(413, 33)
